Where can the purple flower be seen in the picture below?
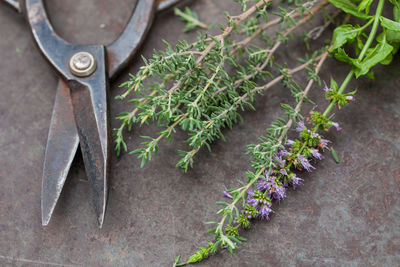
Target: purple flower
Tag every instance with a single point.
(250, 200)
(313, 135)
(323, 143)
(300, 126)
(262, 185)
(267, 174)
(264, 212)
(296, 181)
(283, 172)
(350, 98)
(279, 193)
(283, 153)
(315, 153)
(327, 88)
(305, 163)
(226, 194)
(280, 161)
(336, 125)
(289, 142)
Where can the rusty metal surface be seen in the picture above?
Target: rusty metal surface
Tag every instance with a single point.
(346, 214)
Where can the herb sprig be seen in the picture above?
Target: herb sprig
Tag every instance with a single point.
(201, 87)
(277, 160)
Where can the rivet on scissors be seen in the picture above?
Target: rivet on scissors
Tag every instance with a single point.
(82, 64)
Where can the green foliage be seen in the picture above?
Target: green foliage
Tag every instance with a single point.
(335, 97)
(386, 45)
(343, 34)
(199, 255)
(231, 230)
(252, 210)
(261, 197)
(243, 221)
(371, 49)
(349, 7)
(321, 121)
(191, 18)
(334, 155)
(202, 87)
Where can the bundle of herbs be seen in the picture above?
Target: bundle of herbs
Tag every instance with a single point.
(201, 87)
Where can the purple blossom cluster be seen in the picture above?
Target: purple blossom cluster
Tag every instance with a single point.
(274, 184)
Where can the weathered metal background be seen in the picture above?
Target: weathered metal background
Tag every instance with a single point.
(346, 214)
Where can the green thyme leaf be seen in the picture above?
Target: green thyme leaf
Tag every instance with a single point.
(191, 18)
(334, 155)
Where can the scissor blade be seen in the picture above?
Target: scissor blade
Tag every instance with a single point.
(165, 4)
(62, 144)
(91, 116)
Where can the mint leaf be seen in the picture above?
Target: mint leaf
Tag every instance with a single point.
(364, 5)
(341, 55)
(343, 34)
(348, 7)
(374, 56)
(390, 24)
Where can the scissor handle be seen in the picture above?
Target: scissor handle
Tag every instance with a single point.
(121, 51)
(125, 46)
(58, 51)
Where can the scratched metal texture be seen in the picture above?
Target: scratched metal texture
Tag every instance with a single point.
(344, 214)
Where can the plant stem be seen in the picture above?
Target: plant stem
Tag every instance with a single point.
(370, 39)
(245, 96)
(244, 189)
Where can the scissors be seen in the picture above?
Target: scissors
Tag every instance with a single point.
(80, 113)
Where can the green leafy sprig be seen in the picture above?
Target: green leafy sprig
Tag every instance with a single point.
(386, 41)
(262, 156)
(193, 87)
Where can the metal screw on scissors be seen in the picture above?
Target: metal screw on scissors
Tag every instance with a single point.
(80, 113)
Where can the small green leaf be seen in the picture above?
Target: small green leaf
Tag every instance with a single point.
(375, 55)
(176, 262)
(334, 155)
(364, 5)
(390, 24)
(394, 35)
(209, 223)
(348, 7)
(344, 34)
(191, 18)
(341, 55)
(334, 85)
(387, 60)
(396, 12)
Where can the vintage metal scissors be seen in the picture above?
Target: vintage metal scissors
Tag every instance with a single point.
(80, 114)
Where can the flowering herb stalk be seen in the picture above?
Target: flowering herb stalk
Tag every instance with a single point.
(277, 160)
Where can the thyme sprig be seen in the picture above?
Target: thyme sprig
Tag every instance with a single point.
(226, 230)
(193, 86)
(276, 160)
